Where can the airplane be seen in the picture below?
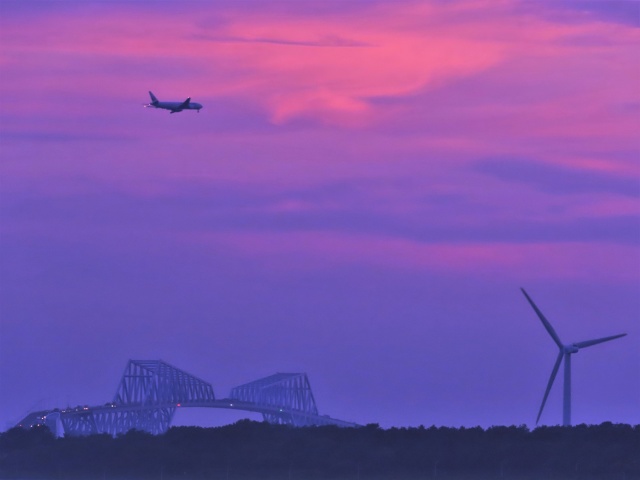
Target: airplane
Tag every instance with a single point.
(174, 107)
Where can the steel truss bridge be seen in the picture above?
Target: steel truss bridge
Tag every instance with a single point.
(151, 391)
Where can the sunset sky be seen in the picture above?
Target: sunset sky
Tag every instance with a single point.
(368, 185)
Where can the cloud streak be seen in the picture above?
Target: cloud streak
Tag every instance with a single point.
(558, 179)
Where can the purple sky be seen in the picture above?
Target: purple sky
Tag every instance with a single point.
(366, 189)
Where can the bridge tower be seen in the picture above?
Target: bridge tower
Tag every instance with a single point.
(146, 399)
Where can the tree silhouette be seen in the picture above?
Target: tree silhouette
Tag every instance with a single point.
(249, 449)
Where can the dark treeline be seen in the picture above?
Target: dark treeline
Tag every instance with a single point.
(255, 450)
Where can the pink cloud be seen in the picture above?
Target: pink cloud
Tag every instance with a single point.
(329, 67)
(293, 64)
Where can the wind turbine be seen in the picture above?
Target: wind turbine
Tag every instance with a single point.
(565, 352)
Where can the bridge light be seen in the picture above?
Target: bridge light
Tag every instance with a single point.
(177, 404)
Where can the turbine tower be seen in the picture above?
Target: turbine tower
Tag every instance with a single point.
(565, 353)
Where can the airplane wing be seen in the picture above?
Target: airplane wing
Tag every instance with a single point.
(185, 104)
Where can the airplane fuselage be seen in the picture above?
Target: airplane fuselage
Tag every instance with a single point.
(176, 107)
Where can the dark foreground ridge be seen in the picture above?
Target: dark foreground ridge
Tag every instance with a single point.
(253, 450)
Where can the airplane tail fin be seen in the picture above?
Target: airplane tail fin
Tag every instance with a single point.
(154, 100)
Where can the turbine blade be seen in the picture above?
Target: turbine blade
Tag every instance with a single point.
(588, 343)
(551, 379)
(545, 322)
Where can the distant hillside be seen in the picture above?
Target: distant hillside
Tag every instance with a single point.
(252, 450)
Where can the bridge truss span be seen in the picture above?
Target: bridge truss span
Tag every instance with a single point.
(118, 420)
(154, 382)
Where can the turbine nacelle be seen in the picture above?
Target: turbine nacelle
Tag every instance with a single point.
(570, 348)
